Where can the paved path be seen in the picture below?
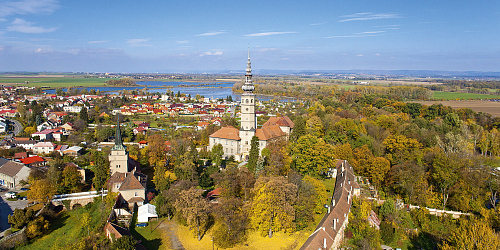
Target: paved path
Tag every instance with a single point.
(7, 208)
(170, 228)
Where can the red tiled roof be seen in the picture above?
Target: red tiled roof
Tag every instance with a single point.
(32, 159)
(228, 132)
(269, 132)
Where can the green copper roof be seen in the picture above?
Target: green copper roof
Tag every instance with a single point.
(118, 137)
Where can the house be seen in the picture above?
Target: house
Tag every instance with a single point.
(143, 144)
(46, 134)
(114, 232)
(146, 212)
(73, 151)
(11, 173)
(74, 109)
(44, 148)
(26, 143)
(3, 127)
(131, 186)
(138, 130)
(50, 124)
(20, 155)
(33, 161)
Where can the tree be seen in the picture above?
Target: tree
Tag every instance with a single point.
(185, 169)
(101, 170)
(30, 130)
(71, 179)
(126, 242)
(377, 170)
(41, 191)
(37, 227)
(254, 154)
(216, 154)
(320, 193)
(231, 222)
(401, 149)
(84, 115)
(474, 235)
(21, 217)
(312, 156)
(272, 206)
(278, 160)
(157, 150)
(193, 207)
(445, 174)
(314, 126)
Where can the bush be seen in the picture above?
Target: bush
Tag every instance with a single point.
(387, 232)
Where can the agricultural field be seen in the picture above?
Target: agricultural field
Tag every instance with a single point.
(440, 95)
(53, 81)
(489, 107)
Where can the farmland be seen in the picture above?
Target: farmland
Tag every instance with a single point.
(440, 95)
(53, 81)
(489, 107)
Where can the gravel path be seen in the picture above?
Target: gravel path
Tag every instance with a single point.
(169, 228)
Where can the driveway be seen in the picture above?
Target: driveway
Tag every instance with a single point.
(8, 207)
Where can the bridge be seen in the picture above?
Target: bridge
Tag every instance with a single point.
(77, 199)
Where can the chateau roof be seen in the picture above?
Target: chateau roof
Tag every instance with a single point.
(283, 121)
(269, 132)
(228, 132)
(131, 182)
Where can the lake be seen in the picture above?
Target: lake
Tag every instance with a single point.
(210, 90)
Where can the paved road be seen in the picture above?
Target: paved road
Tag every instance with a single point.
(18, 128)
(8, 207)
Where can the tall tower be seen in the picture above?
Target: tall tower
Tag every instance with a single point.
(248, 121)
(118, 157)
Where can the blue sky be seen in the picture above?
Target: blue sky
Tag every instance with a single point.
(182, 36)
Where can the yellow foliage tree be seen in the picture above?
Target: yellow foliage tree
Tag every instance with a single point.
(321, 194)
(41, 191)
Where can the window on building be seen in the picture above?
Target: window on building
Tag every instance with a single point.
(226, 142)
(231, 151)
(247, 101)
(135, 194)
(251, 100)
(246, 142)
(231, 143)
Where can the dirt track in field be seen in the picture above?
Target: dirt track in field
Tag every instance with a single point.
(492, 108)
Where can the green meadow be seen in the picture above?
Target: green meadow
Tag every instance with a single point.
(440, 95)
(54, 82)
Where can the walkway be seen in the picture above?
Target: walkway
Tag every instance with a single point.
(170, 229)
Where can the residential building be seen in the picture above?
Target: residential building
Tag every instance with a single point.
(11, 173)
(44, 148)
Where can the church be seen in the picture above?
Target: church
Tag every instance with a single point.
(125, 179)
(237, 142)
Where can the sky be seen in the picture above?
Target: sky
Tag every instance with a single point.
(191, 35)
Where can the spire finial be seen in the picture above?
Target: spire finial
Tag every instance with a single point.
(249, 52)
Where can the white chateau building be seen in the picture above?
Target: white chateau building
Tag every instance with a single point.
(237, 142)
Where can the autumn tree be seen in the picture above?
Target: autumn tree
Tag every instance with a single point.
(194, 208)
(41, 191)
(29, 130)
(37, 227)
(401, 148)
(21, 217)
(185, 168)
(231, 222)
(156, 150)
(314, 126)
(377, 170)
(473, 234)
(101, 170)
(278, 162)
(272, 206)
(445, 173)
(71, 179)
(311, 155)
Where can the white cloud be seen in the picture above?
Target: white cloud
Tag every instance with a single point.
(272, 33)
(208, 53)
(376, 54)
(314, 24)
(369, 32)
(140, 42)
(104, 41)
(40, 50)
(212, 33)
(368, 16)
(23, 26)
(359, 55)
(25, 7)
(182, 42)
(268, 49)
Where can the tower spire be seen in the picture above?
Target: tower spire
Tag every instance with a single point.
(248, 86)
(118, 136)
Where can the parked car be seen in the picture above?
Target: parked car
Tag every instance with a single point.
(25, 189)
(11, 194)
(142, 225)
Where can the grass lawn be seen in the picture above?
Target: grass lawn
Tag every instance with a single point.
(438, 95)
(151, 236)
(64, 230)
(254, 241)
(330, 188)
(54, 82)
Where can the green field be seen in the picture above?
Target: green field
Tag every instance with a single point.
(54, 82)
(439, 95)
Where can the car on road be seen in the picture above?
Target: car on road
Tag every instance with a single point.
(10, 194)
(25, 189)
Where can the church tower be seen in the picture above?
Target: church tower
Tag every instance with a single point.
(248, 120)
(118, 158)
